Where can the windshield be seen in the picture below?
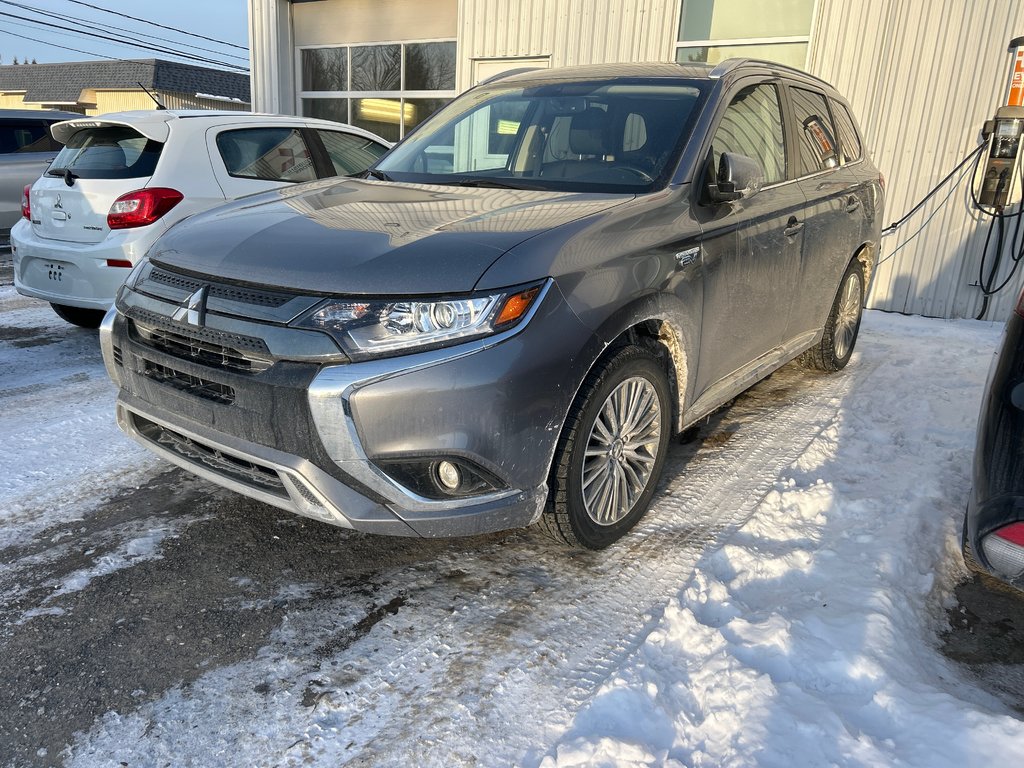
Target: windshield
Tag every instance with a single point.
(108, 152)
(621, 136)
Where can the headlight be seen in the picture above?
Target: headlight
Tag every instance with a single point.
(375, 327)
(136, 273)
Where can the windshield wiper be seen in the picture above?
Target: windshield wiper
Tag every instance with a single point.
(487, 182)
(375, 174)
(65, 173)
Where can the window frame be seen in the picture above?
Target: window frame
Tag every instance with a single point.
(782, 97)
(401, 94)
(797, 125)
(316, 160)
(743, 41)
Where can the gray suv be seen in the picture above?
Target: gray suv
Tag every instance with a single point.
(26, 149)
(508, 317)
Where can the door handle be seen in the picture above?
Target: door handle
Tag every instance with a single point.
(852, 204)
(793, 227)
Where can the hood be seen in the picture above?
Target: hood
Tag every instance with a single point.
(368, 237)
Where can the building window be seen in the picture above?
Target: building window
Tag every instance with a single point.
(713, 30)
(385, 88)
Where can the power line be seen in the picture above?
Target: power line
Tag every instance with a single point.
(100, 26)
(64, 47)
(140, 46)
(62, 34)
(162, 26)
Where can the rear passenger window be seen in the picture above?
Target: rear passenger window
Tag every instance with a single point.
(752, 126)
(108, 152)
(849, 141)
(818, 151)
(350, 154)
(270, 154)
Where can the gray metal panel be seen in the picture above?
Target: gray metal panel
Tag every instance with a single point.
(922, 77)
(570, 31)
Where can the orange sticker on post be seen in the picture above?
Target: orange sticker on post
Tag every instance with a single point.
(1017, 81)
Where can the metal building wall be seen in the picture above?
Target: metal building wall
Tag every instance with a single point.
(569, 31)
(923, 76)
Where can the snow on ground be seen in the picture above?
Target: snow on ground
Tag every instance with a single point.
(808, 638)
(61, 446)
(779, 606)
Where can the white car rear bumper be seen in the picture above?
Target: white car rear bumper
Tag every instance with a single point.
(76, 274)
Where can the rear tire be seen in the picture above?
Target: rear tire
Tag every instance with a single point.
(611, 452)
(83, 318)
(833, 351)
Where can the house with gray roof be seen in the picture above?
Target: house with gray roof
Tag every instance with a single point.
(96, 87)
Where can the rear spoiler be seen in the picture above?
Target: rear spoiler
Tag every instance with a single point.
(64, 130)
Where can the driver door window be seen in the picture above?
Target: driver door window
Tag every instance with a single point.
(752, 126)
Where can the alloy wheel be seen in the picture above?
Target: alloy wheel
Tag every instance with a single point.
(621, 450)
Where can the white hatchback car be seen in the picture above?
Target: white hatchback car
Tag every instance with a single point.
(123, 178)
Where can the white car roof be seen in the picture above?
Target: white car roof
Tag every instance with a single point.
(156, 124)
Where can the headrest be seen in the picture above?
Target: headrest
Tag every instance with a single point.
(588, 132)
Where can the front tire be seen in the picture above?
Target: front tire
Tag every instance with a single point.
(612, 450)
(83, 318)
(834, 350)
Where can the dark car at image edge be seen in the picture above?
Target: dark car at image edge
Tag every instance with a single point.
(993, 533)
(505, 321)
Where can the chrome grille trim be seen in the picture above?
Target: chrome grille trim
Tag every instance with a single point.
(206, 346)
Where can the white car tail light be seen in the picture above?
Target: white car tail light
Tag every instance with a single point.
(1004, 550)
(26, 205)
(142, 207)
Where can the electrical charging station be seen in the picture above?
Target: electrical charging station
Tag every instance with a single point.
(1004, 135)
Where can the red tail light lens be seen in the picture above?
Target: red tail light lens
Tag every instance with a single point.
(26, 205)
(142, 207)
(1013, 533)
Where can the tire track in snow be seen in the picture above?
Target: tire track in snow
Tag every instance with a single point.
(704, 500)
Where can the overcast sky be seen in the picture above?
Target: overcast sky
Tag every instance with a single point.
(223, 20)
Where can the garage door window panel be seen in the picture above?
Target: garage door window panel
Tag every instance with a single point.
(714, 30)
(387, 88)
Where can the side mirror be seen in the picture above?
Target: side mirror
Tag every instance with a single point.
(738, 177)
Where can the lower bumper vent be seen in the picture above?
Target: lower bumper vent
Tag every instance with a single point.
(194, 385)
(241, 471)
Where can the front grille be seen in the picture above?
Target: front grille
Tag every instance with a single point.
(239, 470)
(227, 292)
(194, 385)
(200, 345)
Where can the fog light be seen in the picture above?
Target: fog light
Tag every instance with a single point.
(1004, 550)
(448, 475)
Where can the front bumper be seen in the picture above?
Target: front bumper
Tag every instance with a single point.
(75, 274)
(316, 439)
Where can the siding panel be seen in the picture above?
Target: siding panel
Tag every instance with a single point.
(923, 76)
(569, 31)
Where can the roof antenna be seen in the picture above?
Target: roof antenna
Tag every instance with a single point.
(150, 94)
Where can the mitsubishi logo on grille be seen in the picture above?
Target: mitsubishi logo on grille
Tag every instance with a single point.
(193, 309)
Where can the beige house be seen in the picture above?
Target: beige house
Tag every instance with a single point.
(95, 87)
(922, 75)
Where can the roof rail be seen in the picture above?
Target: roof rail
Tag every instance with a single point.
(728, 65)
(508, 73)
